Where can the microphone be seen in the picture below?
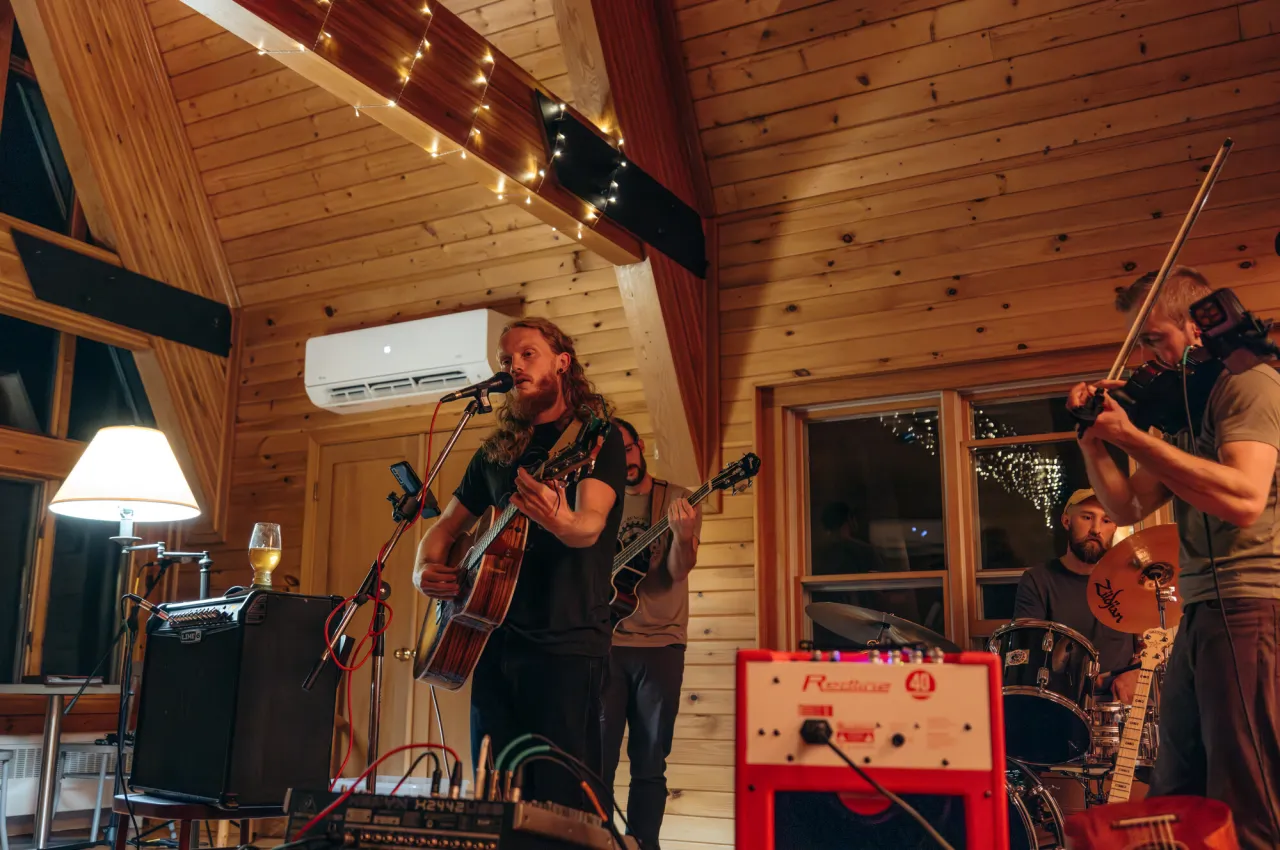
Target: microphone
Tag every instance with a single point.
(501, 382)
(148, 606)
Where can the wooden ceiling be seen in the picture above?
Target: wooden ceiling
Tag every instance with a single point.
(331, 221)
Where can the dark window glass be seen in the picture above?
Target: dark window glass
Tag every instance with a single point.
(82, 597)
(105, 390)
(876, 494)
(1022, 418)
(921, 605)
(1021, 491)
(35, 184)
(18, 512)
(19, 44)
(28, 366)
(998, 598)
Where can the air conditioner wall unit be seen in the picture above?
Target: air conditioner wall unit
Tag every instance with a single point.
(404, 364)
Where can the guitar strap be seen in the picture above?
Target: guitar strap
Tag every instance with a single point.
(657, 501)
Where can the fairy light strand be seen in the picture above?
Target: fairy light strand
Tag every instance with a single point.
(419, 52)
(484, 77)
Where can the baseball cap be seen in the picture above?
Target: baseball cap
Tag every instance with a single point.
(1079, 496)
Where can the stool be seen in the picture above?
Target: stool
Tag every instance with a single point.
(158, 808)
(107, 751)
(5, 757)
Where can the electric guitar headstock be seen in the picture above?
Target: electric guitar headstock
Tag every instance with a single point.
(737, 475)
(1155, 647)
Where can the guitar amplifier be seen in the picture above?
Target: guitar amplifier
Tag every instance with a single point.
(222, 716)
(930, 731)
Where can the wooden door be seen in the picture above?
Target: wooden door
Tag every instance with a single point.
(353, 521)
(454, 706)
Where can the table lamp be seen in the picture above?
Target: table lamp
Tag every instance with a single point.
(127, 474)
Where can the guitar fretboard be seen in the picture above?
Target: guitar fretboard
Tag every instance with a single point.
(635, 547)
(1130, 738)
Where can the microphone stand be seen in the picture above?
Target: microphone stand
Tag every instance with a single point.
(406, 508)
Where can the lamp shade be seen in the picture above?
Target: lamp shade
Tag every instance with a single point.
(126, 468)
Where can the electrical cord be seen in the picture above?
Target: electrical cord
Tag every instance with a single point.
(1222, 609)
(434, 759)
(580, 771)
(581, 765)
(122, 720)
(342, 798)
(891, 797)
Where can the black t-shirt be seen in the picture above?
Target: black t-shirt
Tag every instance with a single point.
(1052, 592)
(561, 601)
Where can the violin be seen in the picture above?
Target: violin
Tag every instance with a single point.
(1153, 395)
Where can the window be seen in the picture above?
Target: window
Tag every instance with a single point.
(1025, 464)
(876, 516)
(55, 388)
(106, 390)
(924, 494)
(28, 364)
(81, 618)
(19, 509)
(35, 181)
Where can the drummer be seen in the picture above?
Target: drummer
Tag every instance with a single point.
(1057, 591)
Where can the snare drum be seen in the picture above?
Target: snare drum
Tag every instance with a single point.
(1048, 691)
(1032, 811)
(1108, 724)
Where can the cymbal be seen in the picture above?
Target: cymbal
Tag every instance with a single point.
(874, 628)
(1122, 586)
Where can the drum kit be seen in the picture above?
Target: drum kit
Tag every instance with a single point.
(1053, 722)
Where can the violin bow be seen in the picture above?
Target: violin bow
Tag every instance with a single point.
(1189, 222)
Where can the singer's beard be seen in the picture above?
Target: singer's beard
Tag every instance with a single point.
(1088, 549)
(531, 399)
(637, 472)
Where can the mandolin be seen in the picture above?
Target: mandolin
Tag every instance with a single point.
(1157, 823)
(455, 631)
(632, 563)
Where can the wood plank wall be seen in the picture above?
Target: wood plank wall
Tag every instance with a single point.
(907, 183)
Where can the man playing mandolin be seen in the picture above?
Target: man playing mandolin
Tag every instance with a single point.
(646, 666)
(1223, 481)
(543, 668)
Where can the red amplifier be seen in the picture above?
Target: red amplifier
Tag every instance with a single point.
(929, 729)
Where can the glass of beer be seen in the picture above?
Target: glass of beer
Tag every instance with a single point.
(264, 553)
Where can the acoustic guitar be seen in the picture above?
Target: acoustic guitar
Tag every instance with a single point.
(1157, 823)
(632, 563)
(455, 631)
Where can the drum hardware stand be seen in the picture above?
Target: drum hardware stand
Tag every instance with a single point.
(416, 501)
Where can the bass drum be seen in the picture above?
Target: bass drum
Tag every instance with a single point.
(1035, 821)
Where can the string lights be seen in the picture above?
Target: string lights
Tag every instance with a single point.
(594, 211)
(535, 178)
(1021, 470)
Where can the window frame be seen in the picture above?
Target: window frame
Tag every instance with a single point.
(782, 416)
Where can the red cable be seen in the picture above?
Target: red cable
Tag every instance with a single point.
(327, 810)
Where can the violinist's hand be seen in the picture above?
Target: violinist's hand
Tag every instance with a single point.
(1108, 425)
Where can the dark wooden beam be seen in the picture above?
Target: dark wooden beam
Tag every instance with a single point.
(418, 69)
(672, 313)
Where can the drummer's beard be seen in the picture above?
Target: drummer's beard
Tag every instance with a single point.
(1089, 549)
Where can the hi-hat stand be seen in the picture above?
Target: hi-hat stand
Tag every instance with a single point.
(416, 500)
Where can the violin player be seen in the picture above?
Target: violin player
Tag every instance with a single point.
(1220, 706)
